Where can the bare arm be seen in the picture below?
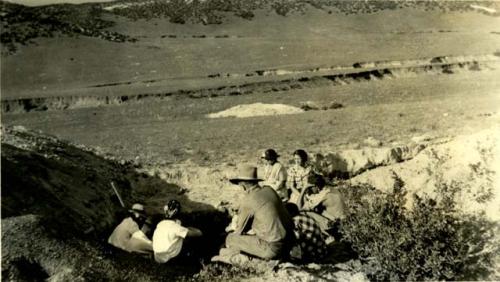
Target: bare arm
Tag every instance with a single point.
(316, 199)
(300, 201)
(281, 178)
(194, 232)
(243, 219)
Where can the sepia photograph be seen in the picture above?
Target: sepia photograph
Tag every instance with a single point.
(250, 140)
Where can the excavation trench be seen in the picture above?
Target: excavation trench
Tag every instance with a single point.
(61, 195)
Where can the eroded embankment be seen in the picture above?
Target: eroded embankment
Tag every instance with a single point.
(58, 209)
(210, 184)
(63, 184)
(470, 162)
(275, 80)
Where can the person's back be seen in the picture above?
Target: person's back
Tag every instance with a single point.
(128, 235)
(270, 222)
(168, 238)
(310, 240)
(334, 204)
(261, 212)
(123, 233)
(169, 235)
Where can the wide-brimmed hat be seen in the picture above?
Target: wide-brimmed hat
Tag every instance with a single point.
(139, 208)
(245, 173)
(270, 154)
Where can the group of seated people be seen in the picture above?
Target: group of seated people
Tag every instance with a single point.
(167, 239)
(284, 215)
(302, 186)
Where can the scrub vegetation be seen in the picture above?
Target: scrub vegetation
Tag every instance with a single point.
(427, 240)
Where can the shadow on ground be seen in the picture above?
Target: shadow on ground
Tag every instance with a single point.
(58, 208)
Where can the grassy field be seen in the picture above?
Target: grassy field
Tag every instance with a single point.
(175, 129)
(170, 56)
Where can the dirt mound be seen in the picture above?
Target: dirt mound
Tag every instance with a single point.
(468, 162)
(256, 109)
(355, 161)
(58, 208)
(72, 183)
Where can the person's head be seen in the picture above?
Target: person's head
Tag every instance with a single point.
(246, 177)
(270, 156)
(172, 209)
(292, 209)
(300, 157)
(138, 213)
(316, 183)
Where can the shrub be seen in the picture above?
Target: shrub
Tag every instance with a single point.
(222, 272)
(20, 24)
(430, 241)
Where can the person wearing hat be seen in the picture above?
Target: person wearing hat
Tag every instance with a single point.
(128, 235)
(262, 211)
(274, 174)
(169, 235)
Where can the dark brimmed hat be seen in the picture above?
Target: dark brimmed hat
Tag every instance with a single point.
(270, 154)
(245, 173)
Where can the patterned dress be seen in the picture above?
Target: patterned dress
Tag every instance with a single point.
(297, 178)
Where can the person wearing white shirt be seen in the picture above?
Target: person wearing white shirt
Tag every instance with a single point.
(169, 234)
(274, 174)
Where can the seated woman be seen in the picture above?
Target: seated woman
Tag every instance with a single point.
(274, 174)
(324, 203)
(297, 175)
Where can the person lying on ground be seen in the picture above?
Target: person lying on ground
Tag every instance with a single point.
(262, 211)
(128, 235)
(274, 174)
(297, 175)
(310, 245)
(169, 235)
(324, 203)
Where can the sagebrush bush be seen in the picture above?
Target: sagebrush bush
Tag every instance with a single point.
(431, 240)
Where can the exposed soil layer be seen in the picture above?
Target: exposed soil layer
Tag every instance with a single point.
(273, 82)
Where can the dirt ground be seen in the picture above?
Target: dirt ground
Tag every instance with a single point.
(408, 90)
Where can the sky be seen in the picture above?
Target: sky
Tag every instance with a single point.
(46, 2)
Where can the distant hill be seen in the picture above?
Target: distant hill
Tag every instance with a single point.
(50, 2)
(21, 24)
